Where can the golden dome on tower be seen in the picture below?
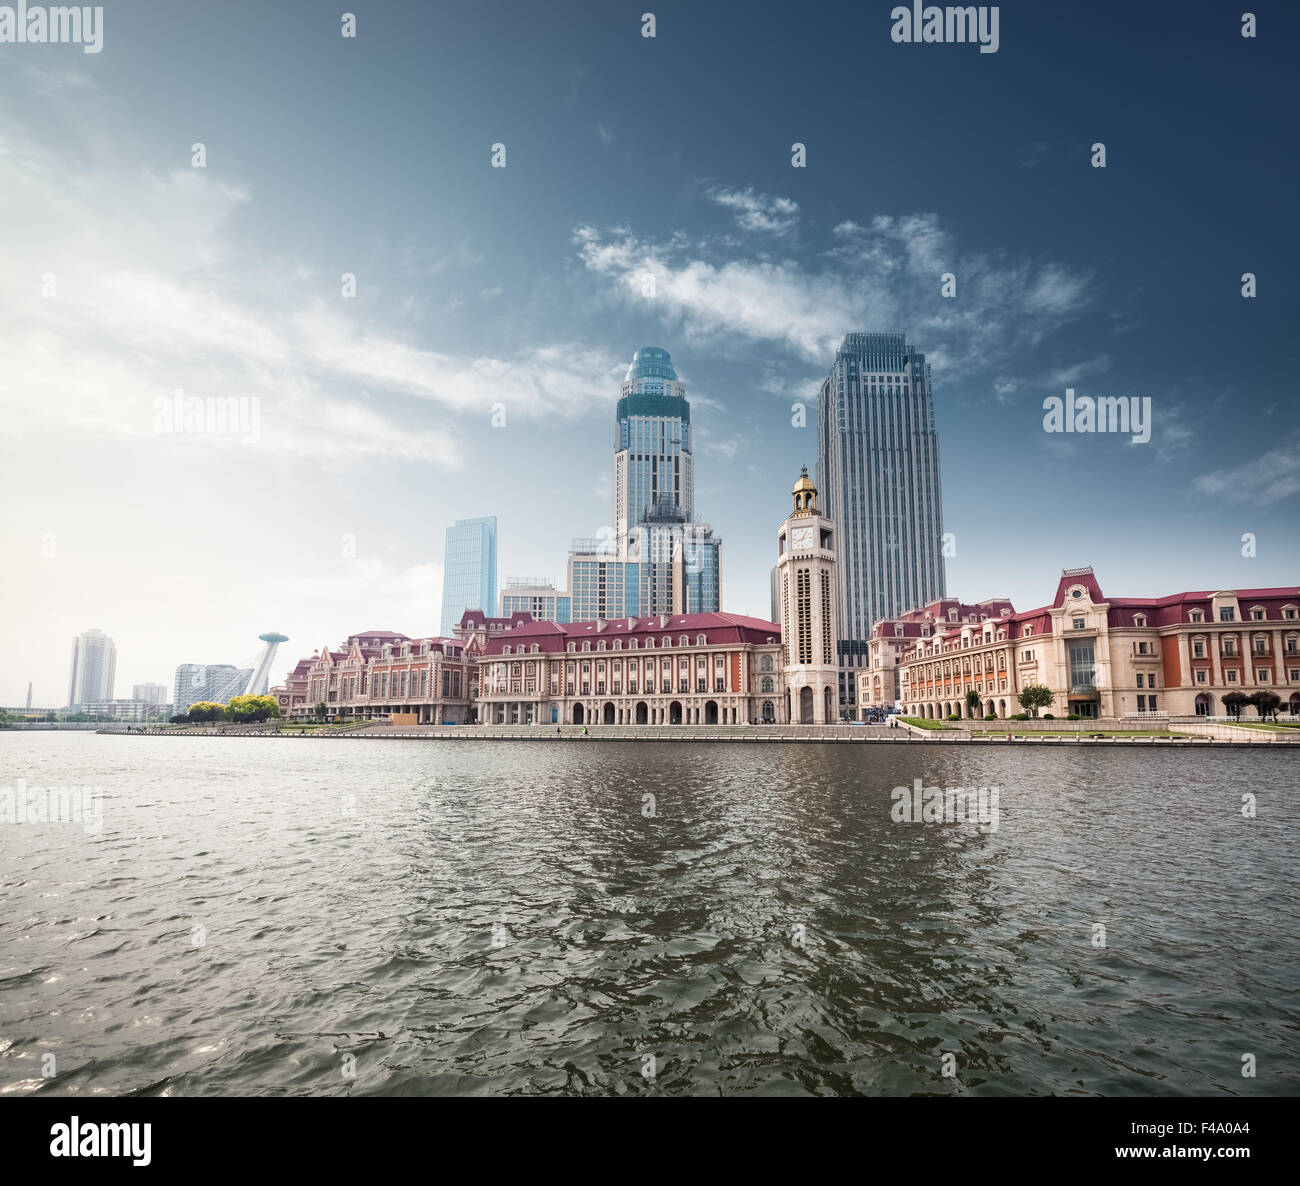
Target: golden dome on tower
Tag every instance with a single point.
(805, 494)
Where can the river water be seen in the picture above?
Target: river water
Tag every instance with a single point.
(269, 916)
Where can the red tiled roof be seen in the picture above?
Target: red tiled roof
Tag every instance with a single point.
(716, 627)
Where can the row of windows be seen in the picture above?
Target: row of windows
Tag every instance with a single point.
(1228, 613)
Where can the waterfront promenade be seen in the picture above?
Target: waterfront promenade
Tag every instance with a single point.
(999, 733)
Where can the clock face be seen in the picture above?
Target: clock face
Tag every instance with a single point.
(801, 537)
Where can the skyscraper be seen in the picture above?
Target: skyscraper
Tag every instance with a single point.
(656, 559)
(878, 474)
(469, 570)
(654, 468)
(211, 682)
(150, 693)
(94, 666)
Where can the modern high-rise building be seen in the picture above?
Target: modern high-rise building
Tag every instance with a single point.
(657, 559)
(536, 596)
(94, 666)
(469, 570)
(212, 682)
(149, 693)
(878, 476)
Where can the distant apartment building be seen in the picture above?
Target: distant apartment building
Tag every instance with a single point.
(535, 596)
(94, 668)
(878, 475)
(1177, 655)
(150, 693)
(215, 683)
(469, 572)
(134, 709)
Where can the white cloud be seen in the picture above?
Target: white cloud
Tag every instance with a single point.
(1266, 479)
(885, 275)
(757, 212)
(130, 288)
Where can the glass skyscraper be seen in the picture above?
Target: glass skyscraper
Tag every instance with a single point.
(469, 570)
(657, 559)
(654, 470)
(878, 473)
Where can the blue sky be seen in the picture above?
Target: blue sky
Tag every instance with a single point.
(521, 286)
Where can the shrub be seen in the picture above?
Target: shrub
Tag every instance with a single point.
(989, 716)
(1074, 716)
(1021, 716)
(952, 716)
(1049, 716)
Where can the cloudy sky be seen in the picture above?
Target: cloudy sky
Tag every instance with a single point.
(130, 274)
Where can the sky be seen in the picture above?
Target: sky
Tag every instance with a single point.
(475, 368)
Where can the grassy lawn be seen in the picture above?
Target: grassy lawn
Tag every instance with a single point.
(922, 723)
(1076, 733)
(1265, 725)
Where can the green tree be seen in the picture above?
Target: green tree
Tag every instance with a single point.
(320, 711)
(202, 711)
(5, 719)
(253, 708)
(1233, 701)
(1034, 697)
(972, 702)
(1266, 703)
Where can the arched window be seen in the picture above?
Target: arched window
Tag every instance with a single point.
(765, 663)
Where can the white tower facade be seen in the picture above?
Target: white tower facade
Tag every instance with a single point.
(806, 575)
(94, 667)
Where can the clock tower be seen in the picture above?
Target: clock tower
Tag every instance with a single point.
(806, 575)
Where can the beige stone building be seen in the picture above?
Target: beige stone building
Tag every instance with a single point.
(1101, 657)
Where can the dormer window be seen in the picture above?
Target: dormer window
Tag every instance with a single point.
(1139, 619)
(1257, 614)
(1197, 616)
(1028, 631)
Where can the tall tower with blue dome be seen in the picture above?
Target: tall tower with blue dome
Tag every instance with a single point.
(655, 559)
(654, 471)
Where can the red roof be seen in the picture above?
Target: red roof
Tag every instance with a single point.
(717, 628)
